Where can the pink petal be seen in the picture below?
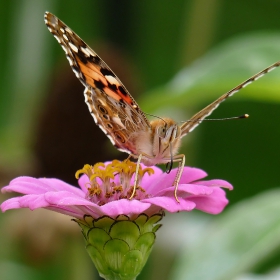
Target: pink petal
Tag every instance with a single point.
(77, 211)
(59, 185)
(170, 204)
(11, 203)
(29, 185)
(69, 200)
(27, 201)
(149, 179)
(83, 183)
(68, 211)
(157, 173)
(213, 204)
(33, 201)
(26, 185)
(124, 206)
(66, 198)
(215, 183)
(185, 190)
(190, 174)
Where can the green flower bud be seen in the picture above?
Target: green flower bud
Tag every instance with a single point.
(120, 247)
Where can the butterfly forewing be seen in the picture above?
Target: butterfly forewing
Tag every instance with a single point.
(195, 120)
(111, 105)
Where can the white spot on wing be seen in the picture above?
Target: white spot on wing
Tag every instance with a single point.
(194, 126)
(112, 80)
(70, 60)
(85, 51)
(57, 38)
(73, 47)
(65, 49)
(233, 92)
(102, 128)
(85, 91)
(246, 84)
(76, 73)
(122, 150)
(88, 104)
(94, 117)
(272, 68)
(67, 29)
(261, 75)
(65, 37)
(111, 139)
(118, 121)
(89, 51)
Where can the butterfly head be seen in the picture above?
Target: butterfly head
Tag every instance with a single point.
(166, 137)
(167, 131)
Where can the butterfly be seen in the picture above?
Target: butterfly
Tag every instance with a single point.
(119, 116)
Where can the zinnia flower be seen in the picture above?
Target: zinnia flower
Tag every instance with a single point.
(119, 231)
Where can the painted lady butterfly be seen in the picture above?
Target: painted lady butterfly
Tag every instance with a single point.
(116, 112)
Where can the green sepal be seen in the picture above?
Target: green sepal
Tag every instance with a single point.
(125, 230)
(104, 222)
(120, 247)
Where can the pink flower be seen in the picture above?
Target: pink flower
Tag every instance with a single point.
(101, 195)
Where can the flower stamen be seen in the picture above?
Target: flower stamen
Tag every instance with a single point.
(114, 181)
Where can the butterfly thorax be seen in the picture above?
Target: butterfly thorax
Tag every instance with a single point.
(162, 144)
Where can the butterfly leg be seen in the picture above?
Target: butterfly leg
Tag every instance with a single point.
(136, 176)
(181, 160)
(129, 157)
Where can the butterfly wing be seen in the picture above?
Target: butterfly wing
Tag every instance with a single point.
(112, 107)
(195, 120)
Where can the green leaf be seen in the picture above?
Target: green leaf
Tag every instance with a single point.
(235, 243)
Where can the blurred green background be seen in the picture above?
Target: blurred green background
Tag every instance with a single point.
(174, 58)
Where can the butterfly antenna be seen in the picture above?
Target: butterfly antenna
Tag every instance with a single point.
(245, 116)
(169, 165)
(155, 117)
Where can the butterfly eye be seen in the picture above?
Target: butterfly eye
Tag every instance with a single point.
(161, 131)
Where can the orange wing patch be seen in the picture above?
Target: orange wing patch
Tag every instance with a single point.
(94, 77)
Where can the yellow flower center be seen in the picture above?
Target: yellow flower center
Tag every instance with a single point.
(114, 181)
